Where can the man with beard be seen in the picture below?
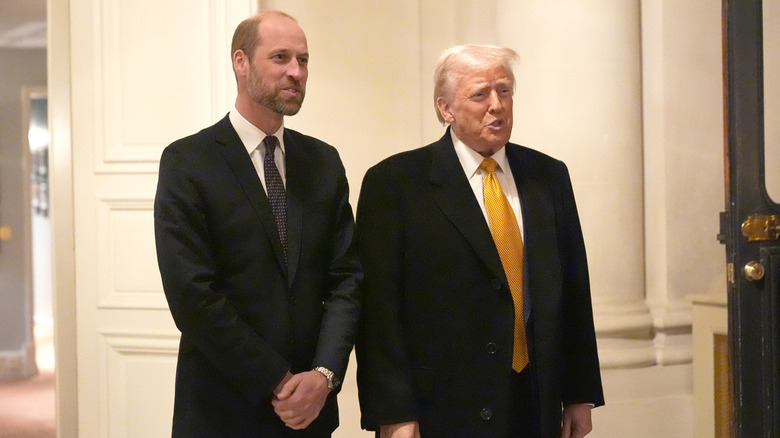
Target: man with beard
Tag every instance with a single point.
(254, 242)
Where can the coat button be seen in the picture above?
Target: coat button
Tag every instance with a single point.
(486, 414)
(491, 348)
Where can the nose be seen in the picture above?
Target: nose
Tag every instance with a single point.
(295, 69)
(495, 102)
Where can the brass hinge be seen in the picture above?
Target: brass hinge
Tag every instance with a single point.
(761, 227)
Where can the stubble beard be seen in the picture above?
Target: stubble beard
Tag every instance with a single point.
(272, 98)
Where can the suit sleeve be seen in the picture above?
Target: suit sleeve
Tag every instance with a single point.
(384, 377)
(582, 378)
(342, 297)
(208, 321)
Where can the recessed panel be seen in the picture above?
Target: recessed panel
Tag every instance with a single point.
(157, 76)
(139, 384)
(128, 272)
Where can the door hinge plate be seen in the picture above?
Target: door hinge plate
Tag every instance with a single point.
(761, 227)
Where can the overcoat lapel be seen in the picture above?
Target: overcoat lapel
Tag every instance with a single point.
(539, 224)
(236, 157)
(455, 198)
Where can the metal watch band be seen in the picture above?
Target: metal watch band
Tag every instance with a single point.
(333, 381)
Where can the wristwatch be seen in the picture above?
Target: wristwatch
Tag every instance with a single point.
(333, 381)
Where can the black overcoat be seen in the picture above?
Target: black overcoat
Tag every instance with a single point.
(436, 342)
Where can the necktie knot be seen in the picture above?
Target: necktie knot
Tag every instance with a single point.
(270, 144)
(488, 165)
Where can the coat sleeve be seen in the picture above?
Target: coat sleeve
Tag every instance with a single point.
(384, 378)
(201, 310)
(581, 378)
(342, 296)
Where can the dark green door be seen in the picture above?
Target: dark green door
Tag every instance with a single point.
(750, 228)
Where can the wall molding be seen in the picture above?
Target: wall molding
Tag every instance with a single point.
(624, 332)
(673, 334)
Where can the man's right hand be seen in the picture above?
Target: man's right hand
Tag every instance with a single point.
(410, 429)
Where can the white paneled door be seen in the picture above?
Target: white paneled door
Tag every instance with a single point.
(141, 74)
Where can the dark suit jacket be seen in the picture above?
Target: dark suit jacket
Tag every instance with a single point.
(245, 317)
(436, 342)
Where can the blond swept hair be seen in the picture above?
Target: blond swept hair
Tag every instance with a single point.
(458, 60)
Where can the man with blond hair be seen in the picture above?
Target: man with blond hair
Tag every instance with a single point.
(254, 243)
(476, 298)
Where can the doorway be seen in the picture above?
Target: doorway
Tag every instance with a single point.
(25, 261)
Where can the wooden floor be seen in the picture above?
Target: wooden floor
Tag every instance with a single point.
(27, 406)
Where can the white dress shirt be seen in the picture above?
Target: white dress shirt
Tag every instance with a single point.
(471, 159)
(252, 138)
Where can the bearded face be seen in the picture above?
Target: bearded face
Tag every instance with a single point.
(285, 96)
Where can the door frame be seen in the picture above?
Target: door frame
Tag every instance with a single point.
(62, 217)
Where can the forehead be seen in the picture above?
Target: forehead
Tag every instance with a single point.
(279, 32)
(479, 77)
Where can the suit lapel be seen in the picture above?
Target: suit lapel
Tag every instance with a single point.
(296, 177)
(234, 153)
(455, 198)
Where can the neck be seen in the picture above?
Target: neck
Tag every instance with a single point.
(262, 117)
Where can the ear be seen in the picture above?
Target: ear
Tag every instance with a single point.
(445, 110)
(240, 63)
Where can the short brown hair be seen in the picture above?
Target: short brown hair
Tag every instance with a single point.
(247, 35)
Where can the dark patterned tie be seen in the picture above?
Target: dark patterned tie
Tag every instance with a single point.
(275, 188)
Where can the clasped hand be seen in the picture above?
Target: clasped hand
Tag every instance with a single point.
(299, 398)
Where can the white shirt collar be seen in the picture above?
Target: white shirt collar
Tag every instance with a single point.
(471, 159)
(251, 136)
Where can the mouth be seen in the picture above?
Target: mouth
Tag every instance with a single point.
(497, 124)
(292, 90)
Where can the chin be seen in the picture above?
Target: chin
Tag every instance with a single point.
(497, 143)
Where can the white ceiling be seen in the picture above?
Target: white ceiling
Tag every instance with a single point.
(23, 23)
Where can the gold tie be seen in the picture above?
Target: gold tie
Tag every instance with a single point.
(509, 242)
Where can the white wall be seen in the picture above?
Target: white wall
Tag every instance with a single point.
(363, 91)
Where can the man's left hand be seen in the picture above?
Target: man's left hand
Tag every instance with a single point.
(301, 399)
(576, 422)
